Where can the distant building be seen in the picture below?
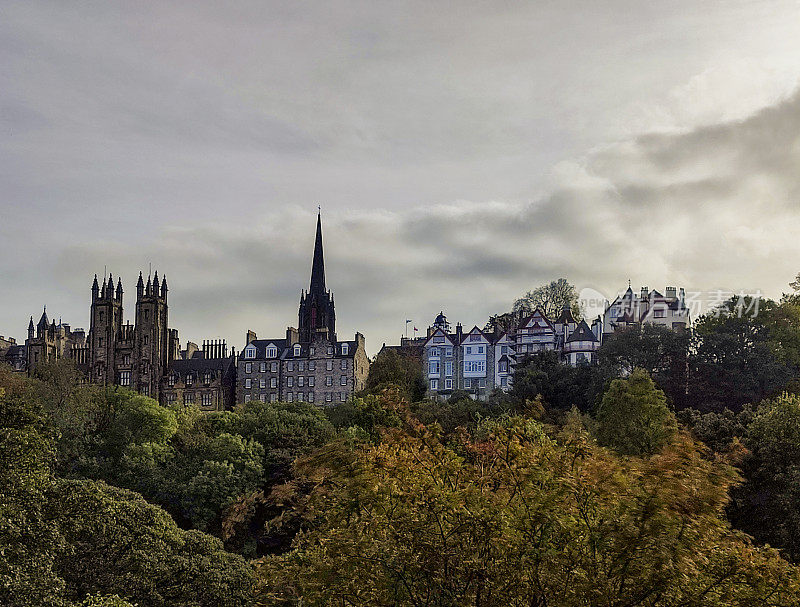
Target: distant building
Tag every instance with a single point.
(204, 377)
(310, 363)
(13, 354)
(48, 341)
(647, 307)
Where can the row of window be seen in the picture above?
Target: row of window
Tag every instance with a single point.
(297, 350)
(436, 352)
(468, 383)
(290, 381)
(306, 397)
(188, 380)
(290, 366)
(206, 398)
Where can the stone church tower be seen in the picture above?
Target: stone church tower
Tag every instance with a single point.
(317, 316)
(105, 325)
(152, 337)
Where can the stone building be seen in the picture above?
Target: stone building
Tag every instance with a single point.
(310, 363)
(204, 377)
(48, 341)
(13, 354)
(136, 355)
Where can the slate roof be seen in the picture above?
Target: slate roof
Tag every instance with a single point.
(582, 333)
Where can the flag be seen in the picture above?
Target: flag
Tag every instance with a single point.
(416, 329)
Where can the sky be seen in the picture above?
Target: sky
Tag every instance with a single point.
(463, 153)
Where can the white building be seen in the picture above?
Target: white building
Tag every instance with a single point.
(668, 310)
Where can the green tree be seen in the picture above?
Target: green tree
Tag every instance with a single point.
(404, 371)
(550, 299)
(659, 350)
(521, 518)
(117, 543)
(739, 358)
(560, 385)
(634, 418)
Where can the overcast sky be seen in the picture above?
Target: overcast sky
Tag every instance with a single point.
(462, 153)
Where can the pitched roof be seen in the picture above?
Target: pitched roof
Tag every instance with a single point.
(582, 333)
(566, 316)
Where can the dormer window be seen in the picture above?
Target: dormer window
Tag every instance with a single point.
(272, 352)
(250, 352)
(297, 349)
(345, 349)
(330, 350)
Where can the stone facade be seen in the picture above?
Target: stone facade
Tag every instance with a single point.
(310, 363)
(204, 377)
(49, 341)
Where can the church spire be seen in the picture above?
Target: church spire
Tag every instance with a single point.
(318, 266)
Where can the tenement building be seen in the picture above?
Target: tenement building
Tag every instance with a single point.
(310, 363)
(204, 377)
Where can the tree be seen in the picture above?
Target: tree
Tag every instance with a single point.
(634, 418)
(560, 385)
(117, 543)
(404, 371)
(738, 358)
(550, 299)
(767, 505)
(518, 518)
(659, 350)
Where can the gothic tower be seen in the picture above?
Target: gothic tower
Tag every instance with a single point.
(104, 328)
(317, 317)
(151, 339)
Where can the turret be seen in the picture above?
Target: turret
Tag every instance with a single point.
(139, 287)
(31, 329)
(148, 288)
(95, 289)
(103, 290)
(119, 289)
(164, 288)
(155, 284)
(110, 292)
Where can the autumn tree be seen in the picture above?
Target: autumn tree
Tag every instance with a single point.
(520, 517)
(391, 368)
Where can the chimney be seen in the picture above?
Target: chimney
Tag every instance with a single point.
(459, 332)
(670, 292)
(251, 337)
(292, 336)
(644, 293)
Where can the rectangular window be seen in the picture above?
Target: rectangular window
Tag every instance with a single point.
(329, 396)
(301, 366)
(189, 379)
(481, 383)
(504, 381)
(448, 368)
(311, 381)
(171, 380)
(248, 367)
(343, 365)
(438, 339)
(208, 399)
(188, 398)
(290, 381)
(262, 383)
(273, 382)
(289, 397)
(170, 399)
(100, 341)
(467, 383)
(480, 349)
(329, 381)
(301, 380)
(343, 380)
(262, 397)
(290, 366)
(273, 398)
(247, 398)
(329, 365)
(273, 367)
(345, 349)
(299, 397)
(448, 384)
(434, 384)
(263, 367)
(474, 337)
(468, 350)
(343, 396)
(433, 367)
(448, 351)
(659, 313)
(311, 365)
(311, 397)
(434, 352)
(247, 383)
(125, 378)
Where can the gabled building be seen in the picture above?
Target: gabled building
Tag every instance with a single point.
(204, 377)
(651, 307)
(310, 364)
(48, 341)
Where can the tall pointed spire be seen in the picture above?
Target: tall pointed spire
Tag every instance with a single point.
(318, 266)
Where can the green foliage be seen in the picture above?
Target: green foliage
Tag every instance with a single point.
(368, 413)
(739, 359)
(393, 369)
(460, 411)
(659, 350)
(521, 518)
(634, 418)
(562, 386)
(117, 543)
